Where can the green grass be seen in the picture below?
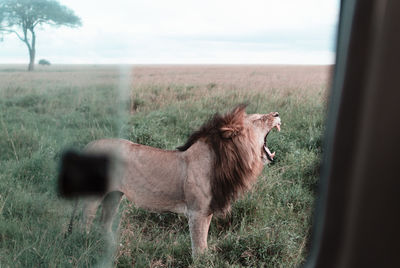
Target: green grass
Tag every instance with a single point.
(46, 112)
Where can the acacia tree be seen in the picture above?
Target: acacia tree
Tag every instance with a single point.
(21, 17)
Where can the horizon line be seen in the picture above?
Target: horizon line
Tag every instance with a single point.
(164, 63)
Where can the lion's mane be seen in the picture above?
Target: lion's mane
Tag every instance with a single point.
(237, 159)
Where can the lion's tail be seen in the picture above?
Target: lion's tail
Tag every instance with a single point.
(71, 221)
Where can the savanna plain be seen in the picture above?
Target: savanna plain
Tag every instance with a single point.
(54, 108)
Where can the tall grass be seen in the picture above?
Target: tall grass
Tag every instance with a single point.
(45, 112)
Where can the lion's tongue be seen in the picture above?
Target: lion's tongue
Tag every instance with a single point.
(278, 127)
(269, 154)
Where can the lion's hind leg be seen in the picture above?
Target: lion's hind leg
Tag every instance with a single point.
(110, 207)
(90, 206)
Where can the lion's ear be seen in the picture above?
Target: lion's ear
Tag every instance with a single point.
(229, 132)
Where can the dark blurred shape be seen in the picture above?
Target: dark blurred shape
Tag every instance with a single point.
(83, 174)
(357, 215)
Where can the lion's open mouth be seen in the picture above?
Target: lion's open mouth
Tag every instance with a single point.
(270, 156)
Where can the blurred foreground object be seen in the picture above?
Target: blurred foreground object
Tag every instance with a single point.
(83, 174)
(357, 215)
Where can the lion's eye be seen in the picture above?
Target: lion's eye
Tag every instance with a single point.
(276, 114)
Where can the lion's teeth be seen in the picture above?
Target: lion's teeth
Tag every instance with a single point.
(271, 155)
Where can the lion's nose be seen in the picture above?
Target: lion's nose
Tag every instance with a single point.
(276, 114)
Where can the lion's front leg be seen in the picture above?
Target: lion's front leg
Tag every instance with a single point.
(198, 226)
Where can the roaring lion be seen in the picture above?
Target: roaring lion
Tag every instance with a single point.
(217, 164)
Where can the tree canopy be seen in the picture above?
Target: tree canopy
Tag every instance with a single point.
(22, 16)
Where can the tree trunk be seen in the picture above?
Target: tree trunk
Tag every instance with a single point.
(32, 51)
(31, 65)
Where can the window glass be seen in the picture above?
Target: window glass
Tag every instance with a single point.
(153, 76)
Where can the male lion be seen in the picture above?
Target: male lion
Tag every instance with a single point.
(218, 162)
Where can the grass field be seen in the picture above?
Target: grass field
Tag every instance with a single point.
(44, 112)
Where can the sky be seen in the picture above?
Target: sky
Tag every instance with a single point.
(188, 32)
